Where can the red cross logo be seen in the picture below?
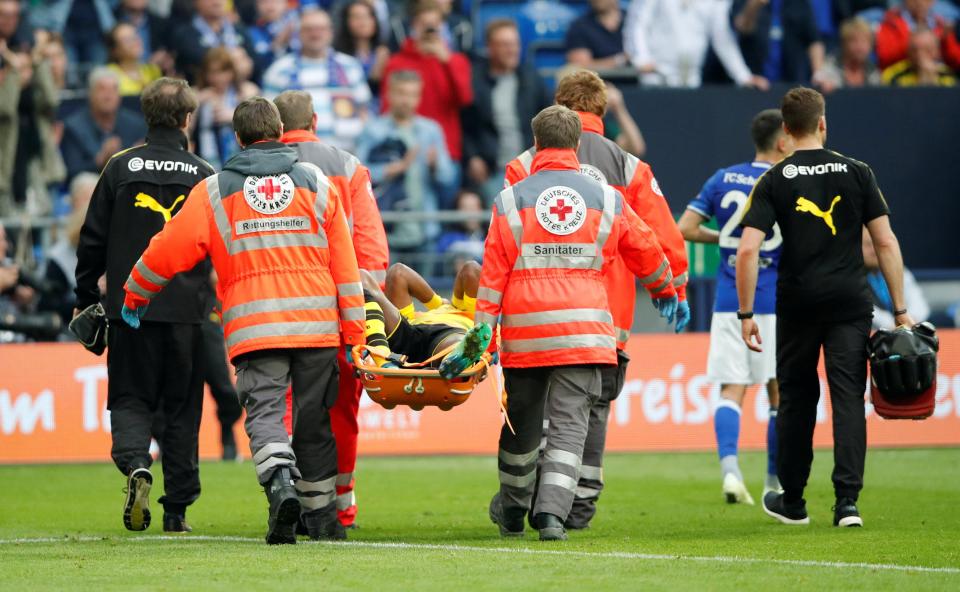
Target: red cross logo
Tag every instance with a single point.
(269, 189)
(561, 210)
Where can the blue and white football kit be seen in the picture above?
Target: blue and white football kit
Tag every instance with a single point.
(724, 197)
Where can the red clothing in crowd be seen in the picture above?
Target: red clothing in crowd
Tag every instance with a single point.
(893, 40)
(447, 89)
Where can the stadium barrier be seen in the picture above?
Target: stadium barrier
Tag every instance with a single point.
(53, 409)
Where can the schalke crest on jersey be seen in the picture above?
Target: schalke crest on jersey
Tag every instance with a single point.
(269, 195)
(561, 210)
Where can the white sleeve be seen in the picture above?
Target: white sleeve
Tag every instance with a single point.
(634, 33)
(725, 43)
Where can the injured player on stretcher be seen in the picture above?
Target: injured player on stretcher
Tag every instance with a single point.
(396, 333)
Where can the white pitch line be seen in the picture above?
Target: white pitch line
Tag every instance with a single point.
(510, 550)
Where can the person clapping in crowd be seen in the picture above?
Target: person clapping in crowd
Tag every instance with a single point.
(221, 90)
(94, 134)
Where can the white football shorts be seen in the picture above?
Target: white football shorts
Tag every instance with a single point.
(730, 361)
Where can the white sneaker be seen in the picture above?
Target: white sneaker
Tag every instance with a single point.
(735, 491)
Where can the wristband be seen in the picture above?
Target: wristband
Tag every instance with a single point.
(744, 315)
(902, 311)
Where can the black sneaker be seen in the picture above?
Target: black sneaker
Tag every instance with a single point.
(510, 520)
(323, 524)
(551, 527)
(845, 513)
(136, 510)
(793, 513)
(175, 523)
(284, 509)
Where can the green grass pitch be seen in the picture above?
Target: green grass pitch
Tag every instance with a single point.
(662, 525)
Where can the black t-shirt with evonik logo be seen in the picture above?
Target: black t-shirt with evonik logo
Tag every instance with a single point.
(821, 200)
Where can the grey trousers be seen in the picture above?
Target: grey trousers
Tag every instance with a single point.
(311, 454)
(590, 484)
(563, 396)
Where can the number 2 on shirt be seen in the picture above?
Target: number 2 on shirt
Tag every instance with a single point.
(727, 240)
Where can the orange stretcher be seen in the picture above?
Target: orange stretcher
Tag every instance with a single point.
(417, 385)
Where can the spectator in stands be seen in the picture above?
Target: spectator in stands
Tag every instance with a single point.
(923, 66)
(882, 304)
(464, 241)
(847, 9)
(152, 29)
(212, 26)
(506, 97)
(275, 33)
(668, 41)
(220, 91)
(30, 84)
(619, 125)
(341, 96)
(358, 35)
(455, 29)
(15, 298)
(894, 35)
(83, 24)
(61, 264)
(854, 66)
(779, 38)
(444, 72)
(15, 32)
(126, 59)
(92, 135)
(595, 40)
(410, 166)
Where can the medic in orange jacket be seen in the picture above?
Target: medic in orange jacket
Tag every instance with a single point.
(352, 181)
(604, 161)
(280, 245)
(543, 259)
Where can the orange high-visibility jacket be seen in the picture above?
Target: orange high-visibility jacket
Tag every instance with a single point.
(604, 161)
(280, 245)
(352, 181)
(543, 265)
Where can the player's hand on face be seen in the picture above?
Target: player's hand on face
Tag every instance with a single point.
(751, 334)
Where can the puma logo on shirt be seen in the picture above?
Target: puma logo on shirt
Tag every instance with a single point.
(805, 205)
(145, 201)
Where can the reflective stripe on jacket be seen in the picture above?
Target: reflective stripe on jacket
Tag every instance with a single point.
(543, 263)
(352, 181)
(604, 161)
(287, 279)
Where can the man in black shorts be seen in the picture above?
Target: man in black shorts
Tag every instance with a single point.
(821, 200)
(395, 328)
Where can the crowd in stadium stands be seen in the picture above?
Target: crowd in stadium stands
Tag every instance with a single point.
(435, 99)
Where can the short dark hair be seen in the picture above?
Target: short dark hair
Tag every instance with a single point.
(296, 109)
(765, 129)
(802, 109)
(557, 127)
(257, 119)
(497, 24)
(166, 102)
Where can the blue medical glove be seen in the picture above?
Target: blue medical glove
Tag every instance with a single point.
(349, 354)
(132, 316)
(683, 316)
(495, 358)
(667, 307)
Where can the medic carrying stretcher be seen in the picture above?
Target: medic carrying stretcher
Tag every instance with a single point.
(422, 359)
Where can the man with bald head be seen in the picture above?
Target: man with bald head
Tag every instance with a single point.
(334, 80)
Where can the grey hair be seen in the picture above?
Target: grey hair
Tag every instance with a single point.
(101, 73)
(83, 180)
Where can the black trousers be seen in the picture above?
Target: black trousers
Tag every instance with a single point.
(845, 355)
(157, 368)
(217, 375)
